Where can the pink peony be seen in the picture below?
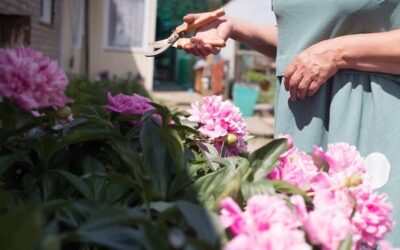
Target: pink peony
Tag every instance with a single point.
(266, 211)
(371, 220)
(295, 167)
(277, 238)
(128, 105)
(327, 227)
(266, 223)
(232, 216)
(31, 79)
(131, 105)
(216, 120)
(342, 157)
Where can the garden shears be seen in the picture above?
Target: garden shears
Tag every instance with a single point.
(176, 39)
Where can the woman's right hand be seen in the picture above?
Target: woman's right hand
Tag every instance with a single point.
(218, 29)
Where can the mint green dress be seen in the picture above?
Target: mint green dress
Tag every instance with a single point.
(361, 108)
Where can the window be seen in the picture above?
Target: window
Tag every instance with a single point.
(125, 24)
(46, 11)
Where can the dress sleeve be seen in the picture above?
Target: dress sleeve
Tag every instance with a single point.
(395, 16)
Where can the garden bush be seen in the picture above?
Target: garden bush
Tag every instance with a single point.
(122, 172)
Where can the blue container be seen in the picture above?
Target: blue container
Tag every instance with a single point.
(245, 98)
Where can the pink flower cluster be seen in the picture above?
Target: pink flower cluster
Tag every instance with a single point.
(130, 105)
(216, 120)
(267, 224)
(295, 167)
(343, 204)
(31, 79)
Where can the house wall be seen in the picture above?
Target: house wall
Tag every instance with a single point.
(119, 62)
(116, 62)
(44, 37)
(72, 58)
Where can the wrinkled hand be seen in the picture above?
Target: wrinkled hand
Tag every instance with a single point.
(310, 69)
(218, 29)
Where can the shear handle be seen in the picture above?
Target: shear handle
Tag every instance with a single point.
(203, 20)
(182, 42)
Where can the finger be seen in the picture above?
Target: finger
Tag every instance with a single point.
(188, 48)
(294, 82)
(314, 87)
(189, 18)
(288, 75)
(211, 49)
(202, 48)
(196, 41)
(192, 49)
(303, 87)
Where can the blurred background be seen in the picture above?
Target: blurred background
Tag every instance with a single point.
(105, 40)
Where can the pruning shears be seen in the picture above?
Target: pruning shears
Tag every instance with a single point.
(176, 39)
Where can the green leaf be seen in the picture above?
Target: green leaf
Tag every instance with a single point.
(92, 130)
(121, 238)
(20, 229)
(347, 243)
(97, 182)
(111, 217)
(7, 161)
(265, 159)
(128, 154)
(174, 146)
(260, 187)
(209, 187)
(287, 188)
(78, 183)
(210, 153)
(199, 219)
(155, 157)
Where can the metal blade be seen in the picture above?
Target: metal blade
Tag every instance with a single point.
(163, 44)
(159, 44)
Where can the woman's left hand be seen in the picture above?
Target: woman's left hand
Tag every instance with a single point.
(311, 68)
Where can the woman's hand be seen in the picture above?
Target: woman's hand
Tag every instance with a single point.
(218, 29)
(312, 68)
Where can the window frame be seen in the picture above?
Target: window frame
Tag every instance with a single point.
(106, 23)
(42, 18)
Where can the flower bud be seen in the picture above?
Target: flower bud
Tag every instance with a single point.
(231, 139)
(64, 112)
(353, 181)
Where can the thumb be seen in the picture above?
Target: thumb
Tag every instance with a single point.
(189, 18)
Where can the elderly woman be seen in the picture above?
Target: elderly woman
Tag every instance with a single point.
(338, 69)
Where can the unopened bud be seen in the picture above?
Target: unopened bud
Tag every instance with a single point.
(353, 181)
(231, 139)
(64, 112)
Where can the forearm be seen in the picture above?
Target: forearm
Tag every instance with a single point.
(261, 38)
(378, 52)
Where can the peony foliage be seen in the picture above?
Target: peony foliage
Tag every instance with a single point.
(132, 174)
